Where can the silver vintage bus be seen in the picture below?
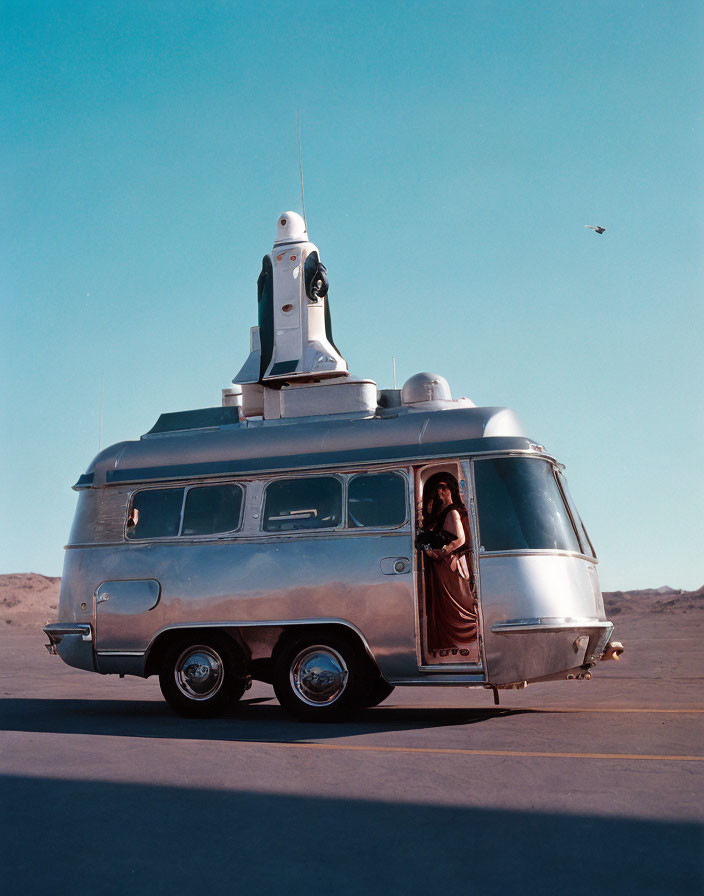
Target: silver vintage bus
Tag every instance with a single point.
(283, 536)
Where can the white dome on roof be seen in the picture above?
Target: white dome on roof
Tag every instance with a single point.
(290, 227)
(425, 387)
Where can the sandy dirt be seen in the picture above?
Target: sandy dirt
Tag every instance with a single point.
(28, 599)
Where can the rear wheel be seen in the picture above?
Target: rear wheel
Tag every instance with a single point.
(320, 678)
(202, 677)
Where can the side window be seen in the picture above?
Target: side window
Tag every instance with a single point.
(155, 513)
(211, 509)
(376, 499)
(295, 504)
(584, 539)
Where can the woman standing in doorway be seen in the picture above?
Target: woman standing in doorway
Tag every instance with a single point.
(450, 605)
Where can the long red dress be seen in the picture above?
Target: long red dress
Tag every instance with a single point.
(450, 604)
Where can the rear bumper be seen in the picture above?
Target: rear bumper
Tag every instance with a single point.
(73, 642)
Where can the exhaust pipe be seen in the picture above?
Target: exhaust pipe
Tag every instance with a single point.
(614, 651)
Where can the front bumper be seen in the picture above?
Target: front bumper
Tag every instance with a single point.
(73, 642)
(544, 649)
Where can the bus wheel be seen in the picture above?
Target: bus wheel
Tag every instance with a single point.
(320, 679)
(376, 692)
(202, 676)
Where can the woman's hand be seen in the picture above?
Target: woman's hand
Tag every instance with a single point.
(437, 554)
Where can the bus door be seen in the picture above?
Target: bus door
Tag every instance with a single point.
(449, 619)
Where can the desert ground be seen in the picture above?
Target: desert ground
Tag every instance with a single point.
(569, 787)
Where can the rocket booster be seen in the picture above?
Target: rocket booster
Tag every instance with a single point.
(294, 338)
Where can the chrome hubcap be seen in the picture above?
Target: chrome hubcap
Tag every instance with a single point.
(199, 672)
(319, 675)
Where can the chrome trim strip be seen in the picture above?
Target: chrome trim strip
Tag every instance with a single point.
(538, 552)
(511, 452)
(238, 538)
(446, 668)
(547, 624)
(444, 679)
(59, 629)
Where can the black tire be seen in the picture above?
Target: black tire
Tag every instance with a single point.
(320, 677)
(376, 692)
(202, 677)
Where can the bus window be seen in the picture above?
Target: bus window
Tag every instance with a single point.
(211, 509)
(587, 546)
(294, 504)
(377, 499)
(155, 513)
(520, 506)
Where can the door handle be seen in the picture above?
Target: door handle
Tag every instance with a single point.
(395, 566)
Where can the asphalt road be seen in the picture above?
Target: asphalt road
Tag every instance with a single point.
(575, 787)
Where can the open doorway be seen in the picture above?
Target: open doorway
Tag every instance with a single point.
(448, 595)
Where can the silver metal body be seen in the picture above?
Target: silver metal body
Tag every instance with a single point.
(134, 593)
(541, 612)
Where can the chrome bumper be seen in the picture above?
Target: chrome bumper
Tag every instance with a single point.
(544, 648)
(73, 642)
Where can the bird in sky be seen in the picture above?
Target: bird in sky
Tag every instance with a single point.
(597, 227)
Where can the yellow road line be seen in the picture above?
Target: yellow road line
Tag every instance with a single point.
(364, 748)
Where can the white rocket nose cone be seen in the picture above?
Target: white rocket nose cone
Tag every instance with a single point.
(290, 226)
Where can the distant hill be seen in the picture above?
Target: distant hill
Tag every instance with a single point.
(30, 599)
(653, 600)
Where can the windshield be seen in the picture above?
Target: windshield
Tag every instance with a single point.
(521, 507)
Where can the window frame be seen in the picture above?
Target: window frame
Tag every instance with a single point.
(186, 489)
(245, 525)
(574, 514)
(226, 532)
(406, 500)
(340, 477)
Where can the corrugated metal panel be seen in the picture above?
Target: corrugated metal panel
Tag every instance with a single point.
(100, 516)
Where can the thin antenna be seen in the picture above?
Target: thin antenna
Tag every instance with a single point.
(100, 424)
(300, 168)
(393, 361)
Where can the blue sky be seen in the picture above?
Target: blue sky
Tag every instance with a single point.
(452, 152)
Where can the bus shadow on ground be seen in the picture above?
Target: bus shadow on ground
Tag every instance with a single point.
(258, 719)
(111, 838)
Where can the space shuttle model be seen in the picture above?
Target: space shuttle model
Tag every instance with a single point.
(293, 340)
(294, 368)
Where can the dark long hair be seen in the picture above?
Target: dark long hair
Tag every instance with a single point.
(429, 492)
